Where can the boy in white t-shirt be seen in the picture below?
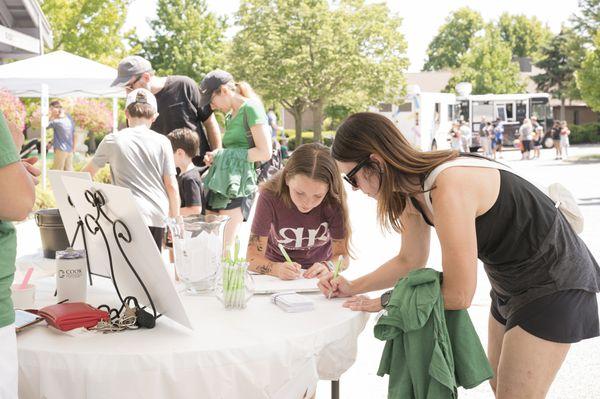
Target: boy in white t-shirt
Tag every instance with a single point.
(142, 160)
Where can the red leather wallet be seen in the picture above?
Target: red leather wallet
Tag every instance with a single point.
(70, 315)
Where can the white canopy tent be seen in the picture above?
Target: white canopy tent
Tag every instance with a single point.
(59, 74)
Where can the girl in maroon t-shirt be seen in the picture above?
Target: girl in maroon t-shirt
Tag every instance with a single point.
(304, 209)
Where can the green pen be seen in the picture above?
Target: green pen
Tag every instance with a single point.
(336, 272)
(284, 253)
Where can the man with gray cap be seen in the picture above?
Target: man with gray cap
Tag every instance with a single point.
(178, 100)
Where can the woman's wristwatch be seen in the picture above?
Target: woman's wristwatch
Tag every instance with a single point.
(385, 298)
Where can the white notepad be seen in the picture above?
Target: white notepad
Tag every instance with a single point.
(264, 284)
(293, 302)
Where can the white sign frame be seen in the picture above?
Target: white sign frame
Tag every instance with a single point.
(141, 251)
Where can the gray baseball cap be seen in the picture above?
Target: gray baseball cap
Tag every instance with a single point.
(129, 67)
(211, 82)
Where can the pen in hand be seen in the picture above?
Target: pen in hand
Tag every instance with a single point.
(285, 254)
(336, 272)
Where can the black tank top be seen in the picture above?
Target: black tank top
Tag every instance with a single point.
(528, 248)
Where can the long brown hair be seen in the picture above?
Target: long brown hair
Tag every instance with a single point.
(366, 133)
(313, 161)
(243, 89)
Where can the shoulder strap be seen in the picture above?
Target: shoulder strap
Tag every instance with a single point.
(563, 199)
(460, 161)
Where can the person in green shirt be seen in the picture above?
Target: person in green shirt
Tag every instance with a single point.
(17, 196)
(247, 139)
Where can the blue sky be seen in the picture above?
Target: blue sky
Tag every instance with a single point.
(421, 19)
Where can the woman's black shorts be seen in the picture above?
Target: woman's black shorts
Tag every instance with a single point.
(240, 202)
(565, 316)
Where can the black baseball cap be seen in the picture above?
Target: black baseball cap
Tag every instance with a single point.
(211, 82)
(129, 67)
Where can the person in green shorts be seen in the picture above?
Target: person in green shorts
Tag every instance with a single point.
(17, 196)
(231, 180)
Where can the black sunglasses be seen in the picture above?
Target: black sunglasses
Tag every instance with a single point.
(349, 177)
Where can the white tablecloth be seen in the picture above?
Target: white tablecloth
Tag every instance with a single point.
(259, 352)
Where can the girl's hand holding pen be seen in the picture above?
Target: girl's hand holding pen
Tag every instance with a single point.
(287, 270)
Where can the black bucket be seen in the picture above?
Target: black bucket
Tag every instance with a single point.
(52, 231)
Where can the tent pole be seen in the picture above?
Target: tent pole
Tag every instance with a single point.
(115, 114)
(44, 124)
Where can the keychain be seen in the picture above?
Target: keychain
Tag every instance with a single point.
(122, 319)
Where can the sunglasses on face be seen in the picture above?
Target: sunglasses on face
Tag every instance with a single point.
(349, 177)
(130, 85)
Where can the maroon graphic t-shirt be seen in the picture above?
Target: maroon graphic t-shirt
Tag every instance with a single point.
(306, 237)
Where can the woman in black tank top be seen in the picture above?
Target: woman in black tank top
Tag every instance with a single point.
(544, 279)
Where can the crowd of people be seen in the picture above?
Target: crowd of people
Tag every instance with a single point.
(530, 138)
(174, 159)
(489, 137)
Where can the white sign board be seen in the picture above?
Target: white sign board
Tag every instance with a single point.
(141, 250)
(68, 214)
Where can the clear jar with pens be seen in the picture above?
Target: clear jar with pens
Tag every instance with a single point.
(234, 286)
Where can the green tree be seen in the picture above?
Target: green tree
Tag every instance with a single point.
(305, 54)
(188, 39)
(587, 21)
(525, 36)
(560, 58)
(453, 39)
(89, 28)
(588, 77)
(488, 66)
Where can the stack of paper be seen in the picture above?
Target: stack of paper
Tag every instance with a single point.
(264, 284)
(293, 302)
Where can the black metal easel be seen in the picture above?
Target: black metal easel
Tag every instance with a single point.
(121, 235)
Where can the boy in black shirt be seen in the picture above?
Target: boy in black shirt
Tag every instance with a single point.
(185, 147)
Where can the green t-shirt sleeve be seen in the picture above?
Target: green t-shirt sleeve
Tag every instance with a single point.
(8, 151)
(255, 113)
(8, 240)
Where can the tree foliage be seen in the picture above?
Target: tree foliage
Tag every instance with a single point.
(588, 77)
(488, 66)
(453, 39)
(88, 28)
(188, 39)
(525, 36)
(587, 21)
(306, 54)
(560, 58)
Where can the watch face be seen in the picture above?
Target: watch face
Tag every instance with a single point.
(385, 298)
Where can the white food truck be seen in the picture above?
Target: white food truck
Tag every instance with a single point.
(426, 118)
(510, 108)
